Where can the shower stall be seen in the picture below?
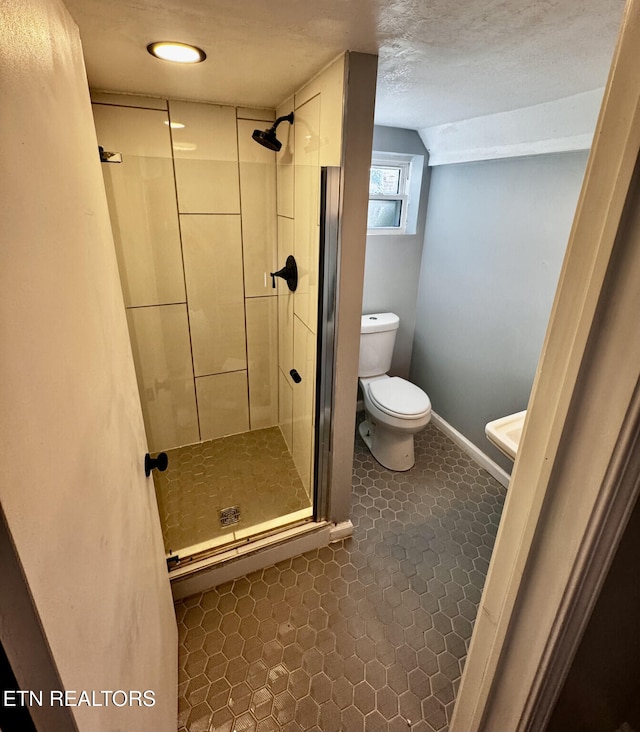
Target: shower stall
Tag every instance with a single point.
(208, 228)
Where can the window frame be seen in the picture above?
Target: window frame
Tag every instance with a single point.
(403, 163)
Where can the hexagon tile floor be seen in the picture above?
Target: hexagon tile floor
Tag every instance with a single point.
(367, 635)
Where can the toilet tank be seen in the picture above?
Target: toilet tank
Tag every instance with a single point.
(377, 338)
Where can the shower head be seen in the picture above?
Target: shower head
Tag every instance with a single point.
(268, 138)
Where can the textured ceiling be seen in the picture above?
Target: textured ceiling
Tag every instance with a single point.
(440, 61)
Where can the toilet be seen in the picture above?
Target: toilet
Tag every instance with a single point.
(395, 408)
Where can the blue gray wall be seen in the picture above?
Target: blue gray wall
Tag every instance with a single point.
(392, 264)
(496, 234)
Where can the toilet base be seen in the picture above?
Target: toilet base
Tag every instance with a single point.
(393, 450)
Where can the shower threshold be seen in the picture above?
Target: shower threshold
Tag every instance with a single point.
(232, 540)
(205, 572)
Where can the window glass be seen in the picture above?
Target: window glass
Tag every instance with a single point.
(384, 181)
(383, 214)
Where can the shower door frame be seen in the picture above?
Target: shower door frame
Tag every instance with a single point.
(326, 330)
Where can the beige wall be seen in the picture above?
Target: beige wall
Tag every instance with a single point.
(361, 73)
(195, 250)
(314, 140)
(81, 515)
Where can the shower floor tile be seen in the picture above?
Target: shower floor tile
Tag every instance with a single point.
(367, 634)
(253, 471)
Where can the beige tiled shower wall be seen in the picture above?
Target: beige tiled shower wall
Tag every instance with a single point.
(193, 211)
(314, 140)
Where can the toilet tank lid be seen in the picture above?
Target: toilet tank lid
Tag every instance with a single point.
(378, 322)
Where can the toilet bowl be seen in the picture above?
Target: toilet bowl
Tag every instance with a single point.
(395, 408)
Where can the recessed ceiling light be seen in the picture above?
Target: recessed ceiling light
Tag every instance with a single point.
(174, 125)
(180, 53)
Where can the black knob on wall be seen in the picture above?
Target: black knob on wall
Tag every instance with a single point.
(160, 462)
(295, 376)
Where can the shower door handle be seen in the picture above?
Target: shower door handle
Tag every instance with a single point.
(161, 462)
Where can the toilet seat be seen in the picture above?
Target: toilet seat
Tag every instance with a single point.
(399, 398)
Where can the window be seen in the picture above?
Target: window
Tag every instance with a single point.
(388, 199)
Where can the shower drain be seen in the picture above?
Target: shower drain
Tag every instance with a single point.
(230, 516)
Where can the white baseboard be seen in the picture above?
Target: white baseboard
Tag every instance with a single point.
(472, 450)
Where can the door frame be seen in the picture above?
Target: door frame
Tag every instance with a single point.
(570, 493)
(25, 641)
